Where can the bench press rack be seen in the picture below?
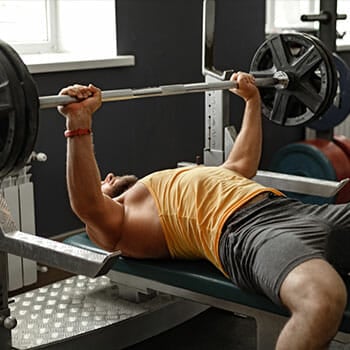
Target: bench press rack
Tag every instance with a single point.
(197, 282)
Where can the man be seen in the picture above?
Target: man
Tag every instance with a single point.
(259, 239)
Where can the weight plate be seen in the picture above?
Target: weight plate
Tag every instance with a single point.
(310, 74)
(304, 160)
(344, 144)
(332, 74)
(31, 105)
(7, 117)
(335, 154)
(340, 109)
(13, 124)
(319, 158)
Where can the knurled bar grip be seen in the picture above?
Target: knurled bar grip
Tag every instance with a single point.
(164, 90)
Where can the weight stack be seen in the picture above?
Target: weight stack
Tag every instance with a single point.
(320, 159)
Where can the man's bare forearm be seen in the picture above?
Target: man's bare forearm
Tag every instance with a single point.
(246, 152)
(83, 176)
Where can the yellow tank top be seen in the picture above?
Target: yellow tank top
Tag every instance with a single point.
(194, 203)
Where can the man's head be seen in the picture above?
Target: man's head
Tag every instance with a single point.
(113, 186)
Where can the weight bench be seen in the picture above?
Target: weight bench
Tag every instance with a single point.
(201, 282)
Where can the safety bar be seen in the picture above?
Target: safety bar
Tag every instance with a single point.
(56, 254)
(300, 184)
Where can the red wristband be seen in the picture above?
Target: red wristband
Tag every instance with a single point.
(77, 132)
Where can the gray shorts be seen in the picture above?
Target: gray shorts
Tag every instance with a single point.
(262, 243)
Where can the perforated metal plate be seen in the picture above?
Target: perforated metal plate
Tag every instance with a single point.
(72, 307)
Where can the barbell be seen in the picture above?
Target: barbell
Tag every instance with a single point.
(278, 80)
(295, 74)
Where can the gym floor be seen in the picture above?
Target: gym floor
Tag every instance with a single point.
(212, 329)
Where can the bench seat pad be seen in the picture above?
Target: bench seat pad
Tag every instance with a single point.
(197, 276)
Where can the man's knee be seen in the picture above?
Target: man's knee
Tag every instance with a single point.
(316, 296)
(324, 303)
(316, 289)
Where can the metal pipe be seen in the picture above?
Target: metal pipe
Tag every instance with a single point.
(165, 90)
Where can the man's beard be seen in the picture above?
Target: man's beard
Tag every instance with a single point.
(123, 184)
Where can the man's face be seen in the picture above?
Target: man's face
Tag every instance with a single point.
(113, 186)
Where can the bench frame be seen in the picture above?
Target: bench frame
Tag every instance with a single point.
(268, 325)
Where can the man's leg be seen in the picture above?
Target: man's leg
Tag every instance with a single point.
(316, 296)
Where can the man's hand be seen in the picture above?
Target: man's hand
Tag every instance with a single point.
(79, 114)
(246, 86)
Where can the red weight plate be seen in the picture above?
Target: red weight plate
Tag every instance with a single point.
(344, 143)
(340, 162)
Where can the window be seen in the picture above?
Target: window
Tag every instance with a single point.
(44, 31)
(285, 15)
(282, 15)
(343, 26)
(27, 34)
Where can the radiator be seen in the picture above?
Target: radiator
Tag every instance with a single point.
(18, 192)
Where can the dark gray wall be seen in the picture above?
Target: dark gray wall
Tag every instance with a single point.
(149, 134)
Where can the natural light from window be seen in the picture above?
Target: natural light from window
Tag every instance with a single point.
(60, 30)
(284, 15)
(17, 27)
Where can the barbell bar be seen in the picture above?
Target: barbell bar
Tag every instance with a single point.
(278, 80)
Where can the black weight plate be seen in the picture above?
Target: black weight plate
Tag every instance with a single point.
(307, 57)
(340, 109)
(330, 73)
(333, 76)
(31, 105)
(308, 69)
(13, 127)
(7, 117)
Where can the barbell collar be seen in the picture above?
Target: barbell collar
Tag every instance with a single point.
(278, 80)
(281, 80)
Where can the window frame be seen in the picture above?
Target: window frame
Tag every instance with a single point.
(36, 47)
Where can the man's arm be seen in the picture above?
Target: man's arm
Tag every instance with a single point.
(101, 214)
(246, 151)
